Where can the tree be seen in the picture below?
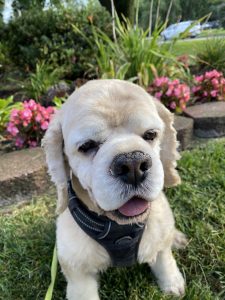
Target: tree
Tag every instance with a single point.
(162, 7)
(124, 8)
(194, 10)
(2, 5)
(19, 6)
(22, 5)
(183, 10)
(218, 10)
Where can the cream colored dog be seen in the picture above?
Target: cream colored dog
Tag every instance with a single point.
(119, 147)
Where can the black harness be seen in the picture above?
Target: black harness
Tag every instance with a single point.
(120, 241)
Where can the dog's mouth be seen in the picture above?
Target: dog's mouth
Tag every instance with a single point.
(134, 210)
(134, 207)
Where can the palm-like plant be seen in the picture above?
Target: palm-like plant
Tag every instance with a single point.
(132, 55)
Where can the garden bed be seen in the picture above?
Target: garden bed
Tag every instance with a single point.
(27, 239)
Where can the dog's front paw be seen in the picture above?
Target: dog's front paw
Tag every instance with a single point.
(174, 285)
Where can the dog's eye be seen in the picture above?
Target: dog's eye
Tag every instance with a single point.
(88, 146)
(150, 135)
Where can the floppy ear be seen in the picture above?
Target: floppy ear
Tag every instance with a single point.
(169, 154)
(57, 165)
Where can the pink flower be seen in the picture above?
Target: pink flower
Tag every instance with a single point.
(32, 144)
(27, 125)
(160, 81)
(172, 105)
(32, 105)
(44, 125)
(211, 88)
(19, 142)
(158, 95)
(50, 110)
(187, 97)
(177, 92)
(14, 113)
(176, 81)
(26, 114)
(38, 117)
(13, 130)
(215, 82)
(213, 93)
(196, 89)
(199, 78)
(169, 92)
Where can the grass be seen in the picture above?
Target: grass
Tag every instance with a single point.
(190, 46)
(212, 32)
(27, 240)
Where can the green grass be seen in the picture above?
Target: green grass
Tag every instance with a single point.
(190, 47)
(27, 240)
(212, 32)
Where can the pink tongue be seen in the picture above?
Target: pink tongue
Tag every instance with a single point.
(135, 206)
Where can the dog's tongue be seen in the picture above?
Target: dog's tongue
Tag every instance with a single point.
(134, 207)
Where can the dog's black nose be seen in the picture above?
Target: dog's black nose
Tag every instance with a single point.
(131, 167)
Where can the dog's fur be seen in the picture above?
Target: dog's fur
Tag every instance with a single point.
(116, 114)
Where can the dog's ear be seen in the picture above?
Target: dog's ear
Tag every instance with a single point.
(57, 165)
(169, 154)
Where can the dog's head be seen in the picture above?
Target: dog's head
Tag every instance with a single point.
(118, 142)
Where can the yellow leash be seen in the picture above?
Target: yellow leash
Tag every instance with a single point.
(49, 293)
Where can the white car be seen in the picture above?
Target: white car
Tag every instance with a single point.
(175, 30)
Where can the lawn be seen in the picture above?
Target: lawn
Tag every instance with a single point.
(189, 46)
(27, 240)
(212, 32)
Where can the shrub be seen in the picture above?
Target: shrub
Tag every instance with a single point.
(209, 87)
(6, 105)
(211, 55)
(47, 35)
(4, 57)
(173, 94)
(28, 125)
(41, 80)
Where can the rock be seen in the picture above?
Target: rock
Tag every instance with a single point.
(184, 128)
(209, 119)
(61, 90)
(23, 174)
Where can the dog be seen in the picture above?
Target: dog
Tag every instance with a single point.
(110, 150)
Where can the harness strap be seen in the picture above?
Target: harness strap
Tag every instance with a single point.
(120, 241)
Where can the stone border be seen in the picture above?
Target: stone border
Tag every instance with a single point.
(209, 119)
(23, 175)
(184, 127)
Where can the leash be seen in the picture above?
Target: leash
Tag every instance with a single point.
(54, 265)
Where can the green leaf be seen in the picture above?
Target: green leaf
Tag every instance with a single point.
(121, 73)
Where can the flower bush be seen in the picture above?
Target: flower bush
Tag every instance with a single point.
(209, 87)
(27, 125)
(46, 35)
(6, 106)
(172, 93)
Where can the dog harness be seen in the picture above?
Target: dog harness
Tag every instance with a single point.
(120, 241)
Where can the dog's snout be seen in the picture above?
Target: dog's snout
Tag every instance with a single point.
(132, 167)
